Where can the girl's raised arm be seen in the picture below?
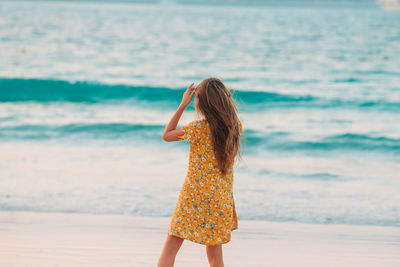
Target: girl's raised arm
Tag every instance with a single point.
(171, 133)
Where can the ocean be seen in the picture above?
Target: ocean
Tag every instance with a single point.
(87, 89)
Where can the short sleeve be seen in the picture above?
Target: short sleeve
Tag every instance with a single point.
(189, 132)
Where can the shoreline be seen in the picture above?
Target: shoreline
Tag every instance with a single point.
(76, 239)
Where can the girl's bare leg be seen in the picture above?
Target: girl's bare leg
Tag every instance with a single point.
(214, 255)
(171, 248)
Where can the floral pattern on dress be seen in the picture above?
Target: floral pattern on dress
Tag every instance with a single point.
(205, 211)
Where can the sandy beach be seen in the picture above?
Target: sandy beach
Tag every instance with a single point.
(71, 239)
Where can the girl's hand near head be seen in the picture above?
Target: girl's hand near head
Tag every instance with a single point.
(170, 132)
(188, 95)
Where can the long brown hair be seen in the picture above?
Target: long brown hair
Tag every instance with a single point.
(215, 103)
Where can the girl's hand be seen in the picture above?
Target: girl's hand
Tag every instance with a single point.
(188, 95)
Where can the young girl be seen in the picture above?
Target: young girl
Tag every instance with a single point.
(205, 212)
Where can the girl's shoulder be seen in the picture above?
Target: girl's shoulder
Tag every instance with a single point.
(199, 123)
(202, 123)
(196, 125)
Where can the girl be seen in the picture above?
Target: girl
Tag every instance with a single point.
(205, 212)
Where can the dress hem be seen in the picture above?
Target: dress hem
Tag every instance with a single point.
(197, 242)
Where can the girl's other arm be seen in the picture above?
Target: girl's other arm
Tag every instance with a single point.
(171, 133)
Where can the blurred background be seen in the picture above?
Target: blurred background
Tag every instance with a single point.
(87, 88)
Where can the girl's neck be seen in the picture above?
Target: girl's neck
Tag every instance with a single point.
(200, 116)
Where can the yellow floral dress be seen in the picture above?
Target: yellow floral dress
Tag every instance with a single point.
(205, 211)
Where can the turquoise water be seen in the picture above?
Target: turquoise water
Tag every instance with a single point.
(86, 91)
